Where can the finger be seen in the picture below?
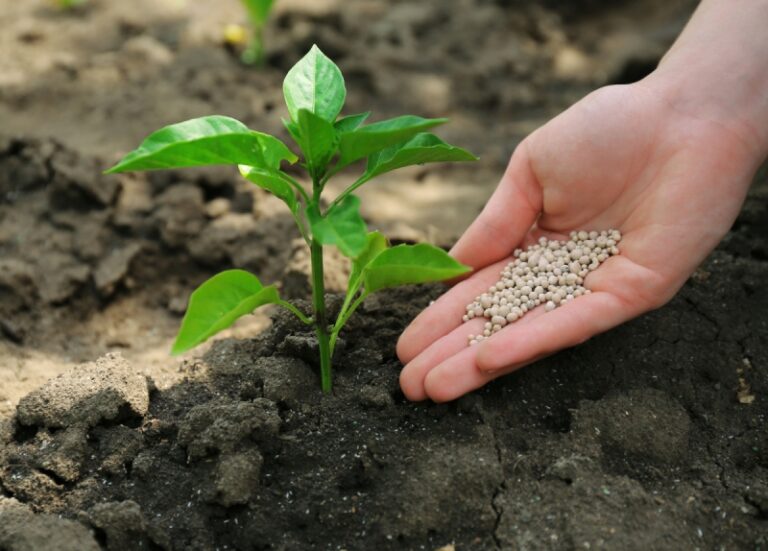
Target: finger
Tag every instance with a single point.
(506, 218)
(517, 345)
(456, 376)
(414, 373)
(445, 313)
(566, 326)
(621, 290)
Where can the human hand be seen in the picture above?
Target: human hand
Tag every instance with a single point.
(623, 157)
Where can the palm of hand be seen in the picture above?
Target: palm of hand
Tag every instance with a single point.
(621, 158)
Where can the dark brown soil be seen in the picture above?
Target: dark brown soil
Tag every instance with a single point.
(652, 436)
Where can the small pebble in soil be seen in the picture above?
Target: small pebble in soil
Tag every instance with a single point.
(549, 273)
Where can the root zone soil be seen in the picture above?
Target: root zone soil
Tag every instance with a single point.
(650, 437)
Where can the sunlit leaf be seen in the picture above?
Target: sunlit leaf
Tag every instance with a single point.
(214, 140)
(408, 264)
(316, 84)
(375, 243)
(371, 138)
(351, 122)
(422, 148)
(218, 303)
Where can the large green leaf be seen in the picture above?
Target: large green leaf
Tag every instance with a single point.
(214, 140)
(407, 264)
(218, 303)
(351, 122)
(422, 148)
(374, 137)
(316, 84)
(341, 226)
(258, 10)
(317, 138)
(272, 182)
(375, 243)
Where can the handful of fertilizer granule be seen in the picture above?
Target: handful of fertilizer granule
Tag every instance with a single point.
(551, 273)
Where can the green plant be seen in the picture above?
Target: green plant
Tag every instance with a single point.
(258, 14)
(68, 4)
(314, 94)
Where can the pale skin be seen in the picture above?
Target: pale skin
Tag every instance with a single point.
(667, 160)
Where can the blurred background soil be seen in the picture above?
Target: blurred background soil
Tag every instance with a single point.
(90, 264)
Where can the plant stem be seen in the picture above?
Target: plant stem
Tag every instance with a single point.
(297, 186)
(254, 52)
(321, 322)
(302, 229)
(343, 195)
(344, 315)
(298, 313)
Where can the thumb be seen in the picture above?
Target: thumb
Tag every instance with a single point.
(506, 217)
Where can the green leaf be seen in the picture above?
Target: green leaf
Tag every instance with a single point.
(422, 148)
(258, 11)
(218, 303)
(272, 182)
(351, 122)
(316, 84)
(318, 140)
(214, 140)
(375, 243)
(379, 135)
(407, 264)
(341, 226)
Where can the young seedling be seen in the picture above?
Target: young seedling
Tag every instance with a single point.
(258, 14)
(314, 95)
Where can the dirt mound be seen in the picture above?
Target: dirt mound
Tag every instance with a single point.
(70, 236)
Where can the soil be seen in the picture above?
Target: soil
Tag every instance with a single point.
(652, 436)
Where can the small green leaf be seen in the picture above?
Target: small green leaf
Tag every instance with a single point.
(272, 182)
(316, 84)
(422, 148)
(214, 140)
(374, 137)
(375, 243)
(218, 303)
(407, 264)
(351, 122)
(341, 226)
(258, 11)
(318, 140)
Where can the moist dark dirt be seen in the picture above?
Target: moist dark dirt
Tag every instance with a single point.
(652, 436)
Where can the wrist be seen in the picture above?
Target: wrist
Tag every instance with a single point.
(717, 71)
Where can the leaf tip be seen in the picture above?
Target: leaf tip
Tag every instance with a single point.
(178, 349)
(114, 169)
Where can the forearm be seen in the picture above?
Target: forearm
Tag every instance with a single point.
(718, 69)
